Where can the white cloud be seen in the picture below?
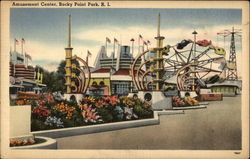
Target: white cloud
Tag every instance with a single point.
(171, 35)
(55, 53)
(49, 56)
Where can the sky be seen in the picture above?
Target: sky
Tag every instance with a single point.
(45, 30)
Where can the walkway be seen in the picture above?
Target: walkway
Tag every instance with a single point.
(216, 127)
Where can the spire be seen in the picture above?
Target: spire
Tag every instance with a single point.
(69, 36)
(159, 21)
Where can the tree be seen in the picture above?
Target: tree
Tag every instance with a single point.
(55, 81)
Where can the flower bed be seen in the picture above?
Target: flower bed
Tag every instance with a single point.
(186, 101)
(48, 113)
(27, 95)
(26, 142)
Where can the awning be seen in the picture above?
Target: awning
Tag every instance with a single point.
(17, 86)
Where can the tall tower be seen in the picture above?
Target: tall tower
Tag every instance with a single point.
(232, 62)
(232, 73)
(194, 64)
(68, 51)
(159, 57)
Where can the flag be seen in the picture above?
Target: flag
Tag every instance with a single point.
(28, 56)
(16, 42)
(116, 41)
(149, 43)
(89, 54)
(23, 41)
(132, 39)
(140, 37)
(108, 40)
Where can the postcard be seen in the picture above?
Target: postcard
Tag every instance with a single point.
(124, 79)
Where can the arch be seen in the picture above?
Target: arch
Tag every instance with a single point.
(101, 83)
(72, 98)
(94, 83)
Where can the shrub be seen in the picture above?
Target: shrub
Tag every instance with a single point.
(40, 112)
(54, 122)
(91, 110)
(105, 114)
(143, 112)
(64, 110)
(37, 124)
(89, 114)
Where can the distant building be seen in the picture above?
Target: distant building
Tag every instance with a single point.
(22, 77)
(111, 75)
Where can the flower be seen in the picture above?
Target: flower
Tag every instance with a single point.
(65, 108)
(21, 142)
(119, 112)
(101, 103)
(88, 100)
(46, 98)
(54, 121)
(41, 111)
(129, 102)
(31, 141)
(22, 102)
(146, 104)
(89, 114)
(129, 113)
(113, 100)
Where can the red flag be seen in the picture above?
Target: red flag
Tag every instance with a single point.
(116, 41)
(149, 43)
(140, 37)
(23, 41)
(17, 42)
(28, 56)
(108, 40)
(89, 54)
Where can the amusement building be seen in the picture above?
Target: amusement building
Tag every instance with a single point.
(23, 77)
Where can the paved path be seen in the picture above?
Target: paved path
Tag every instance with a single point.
(216, 127)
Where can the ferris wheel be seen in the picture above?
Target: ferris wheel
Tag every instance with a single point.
(191, 62)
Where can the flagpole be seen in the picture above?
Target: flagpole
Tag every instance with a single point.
(15, 45)
(139, 46)
(143, 51)
(26, 60)
(106, 47)
(112, 59)
(22, 46)
(87, 57)
(133, 49)
(114, 46)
